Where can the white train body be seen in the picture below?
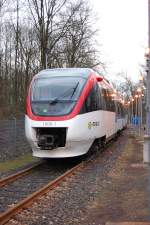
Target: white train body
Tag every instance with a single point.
(55, 131)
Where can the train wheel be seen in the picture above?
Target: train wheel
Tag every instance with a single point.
(101, 142)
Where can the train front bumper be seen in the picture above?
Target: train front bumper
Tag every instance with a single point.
(76, 143)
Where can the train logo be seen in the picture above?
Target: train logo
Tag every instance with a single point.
(93, 124)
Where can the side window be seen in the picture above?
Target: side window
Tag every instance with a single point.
(120, 110)
(109, 101)
(93, 101)
(105, 98)
(102, 98)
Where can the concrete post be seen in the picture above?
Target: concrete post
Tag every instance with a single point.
(147, 135)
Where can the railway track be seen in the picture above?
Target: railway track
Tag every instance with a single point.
(33, 183)
(6, 180)
(22, 189)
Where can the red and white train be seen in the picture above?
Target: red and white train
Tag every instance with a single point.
(68, 109)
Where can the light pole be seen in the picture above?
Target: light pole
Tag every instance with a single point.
(129, 112)
(132, 100)
(136, 107)
(139, 91)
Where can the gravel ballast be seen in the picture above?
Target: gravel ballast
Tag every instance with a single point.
(111, 188)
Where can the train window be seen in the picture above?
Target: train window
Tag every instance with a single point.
(102, 98)
(112, 104)
(120, 110)
(55, 96)
(64, 88)
(93, 101)
(108, 97)
(111, 100)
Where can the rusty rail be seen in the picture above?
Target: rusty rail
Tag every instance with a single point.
(6, 216)
(13, 177)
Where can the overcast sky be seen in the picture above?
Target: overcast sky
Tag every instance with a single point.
(123, 33)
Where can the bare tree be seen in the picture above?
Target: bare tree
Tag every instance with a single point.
(125, 85)
(78, 41)
(44, 14)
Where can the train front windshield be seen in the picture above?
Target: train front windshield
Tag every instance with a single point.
(55, 96)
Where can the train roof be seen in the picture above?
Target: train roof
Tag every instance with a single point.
(81, 72)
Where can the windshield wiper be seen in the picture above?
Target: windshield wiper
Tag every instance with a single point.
(74, 89)
(55, 100)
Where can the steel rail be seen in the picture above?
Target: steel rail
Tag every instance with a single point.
(6, 180)
(7, 215)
